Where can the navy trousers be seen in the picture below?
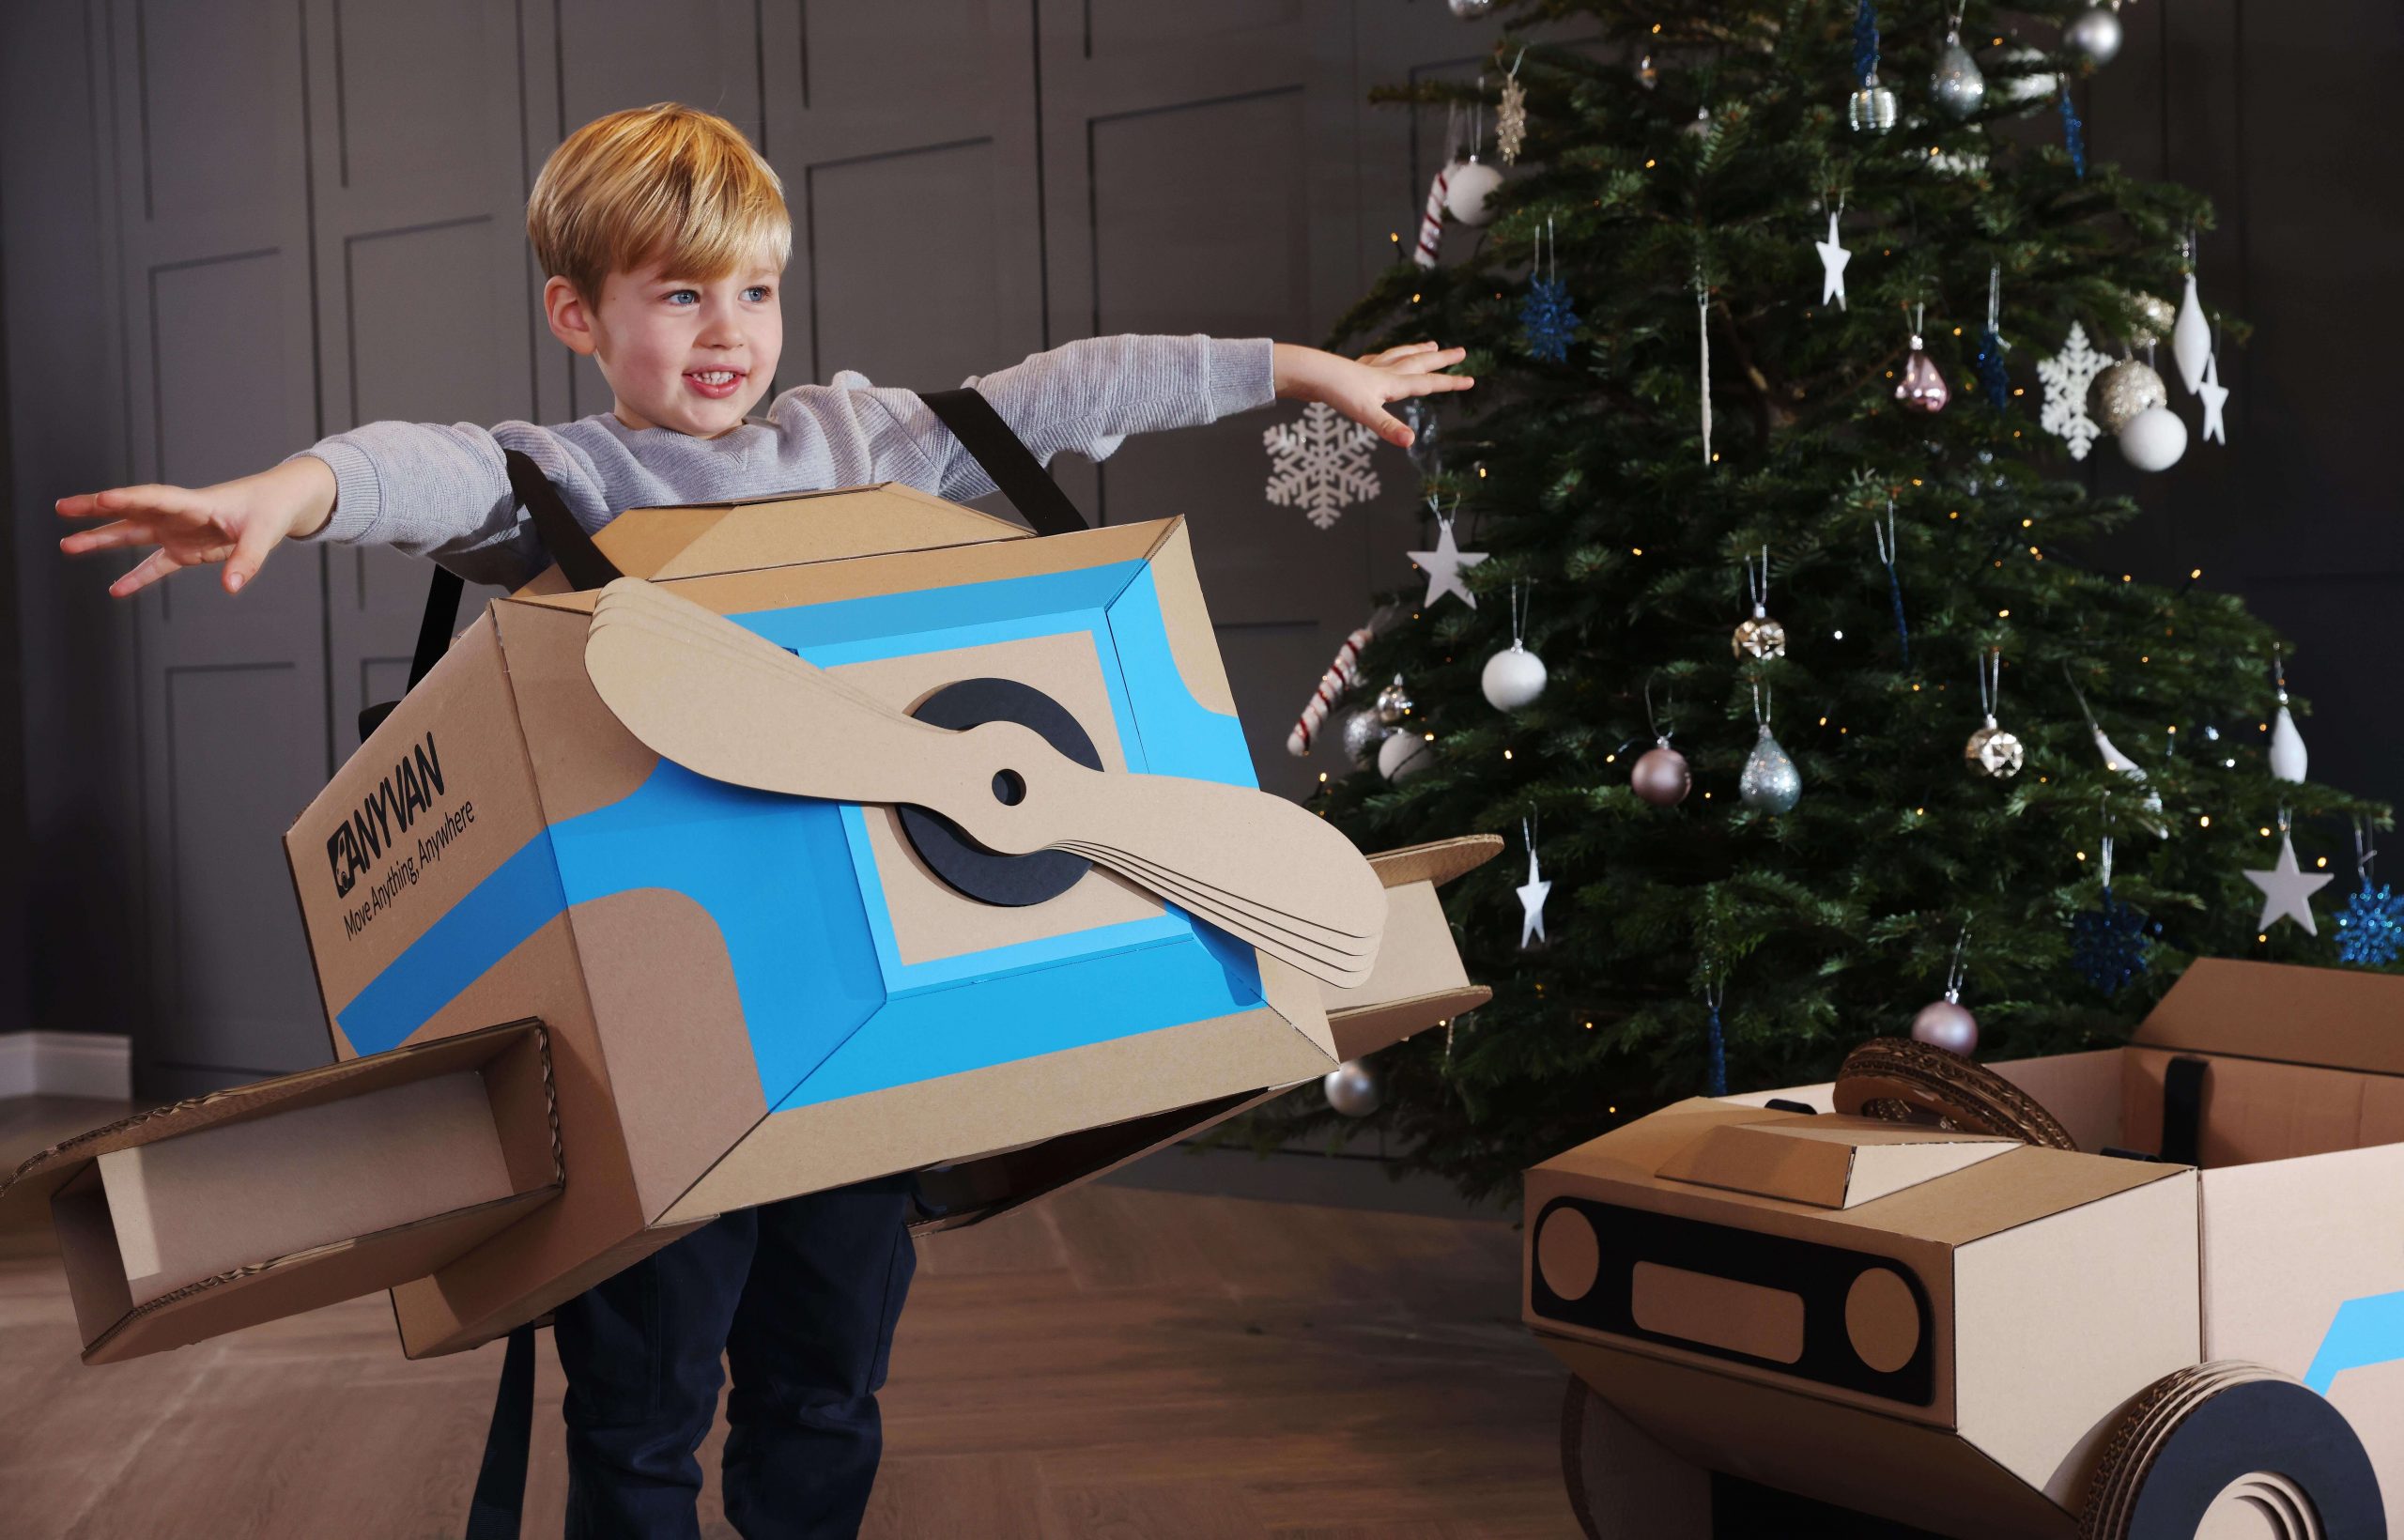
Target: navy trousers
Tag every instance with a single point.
(801, 1297)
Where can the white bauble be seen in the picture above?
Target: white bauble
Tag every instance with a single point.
(2153, 440)
(1353, 1088)
(2287, 758)
(1513, 677)
(2094, 34)
(1472, 188)
(1403, 755)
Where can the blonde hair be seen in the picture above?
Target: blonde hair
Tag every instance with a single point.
(660, 184)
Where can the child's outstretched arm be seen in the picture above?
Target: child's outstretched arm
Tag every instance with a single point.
(239, 523)
(1088, 396)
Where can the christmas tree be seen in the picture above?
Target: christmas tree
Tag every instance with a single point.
(1655, 261)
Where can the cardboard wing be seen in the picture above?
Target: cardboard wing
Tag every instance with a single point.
(746, 995)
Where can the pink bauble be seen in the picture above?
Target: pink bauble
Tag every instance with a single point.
(1947, 1024)
(1922, 389)
(1660, 776)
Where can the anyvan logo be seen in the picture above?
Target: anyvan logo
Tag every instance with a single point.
(376, 824)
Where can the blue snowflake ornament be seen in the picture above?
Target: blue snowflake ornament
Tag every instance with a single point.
(1993, 377)
(2371, 929)
(1546, 323)
(2108, 945)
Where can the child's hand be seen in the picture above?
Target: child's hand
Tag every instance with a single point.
(1359, 388)
(236, 522)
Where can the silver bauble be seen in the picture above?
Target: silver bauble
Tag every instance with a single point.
(1513, 677)
(1944, 1023)
(1993, 752)
(1470, 10)
(2094, 34)
(1394, 703)
(1363, 732)
(1402, 756)
(2154, 440)
(2125, 390)
(1958, 86)
(1758, 637)
(1471, 196)
(1770, 783)
(1660, 776)
(1354, 1089)
(2155, 316)
(1872, 108)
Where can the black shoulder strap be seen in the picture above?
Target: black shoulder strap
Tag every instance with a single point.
(498, 1509)
(1014, 469)
(2182, 1110)
(561, 535)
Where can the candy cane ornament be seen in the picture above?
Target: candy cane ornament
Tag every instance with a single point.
(1341, 675)
(1431, 219)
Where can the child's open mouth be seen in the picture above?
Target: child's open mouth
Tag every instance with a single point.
(717, 384)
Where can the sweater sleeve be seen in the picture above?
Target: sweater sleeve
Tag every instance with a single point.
(443, 492)
(1086, 396)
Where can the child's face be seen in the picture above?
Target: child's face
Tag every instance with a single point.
(687, 354)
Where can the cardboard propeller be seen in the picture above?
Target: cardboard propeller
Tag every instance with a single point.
(679, 677)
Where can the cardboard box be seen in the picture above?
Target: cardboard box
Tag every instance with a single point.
(742, 996)
(347, 1179)
(1949, 1330)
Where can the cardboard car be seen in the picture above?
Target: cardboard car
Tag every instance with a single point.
(583, 997)
(2154, 1291)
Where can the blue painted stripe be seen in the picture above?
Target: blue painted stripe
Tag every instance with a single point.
(520, 897)
(2365, 1332)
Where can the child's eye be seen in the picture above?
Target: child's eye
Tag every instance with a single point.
(683, 297)
(756, 293)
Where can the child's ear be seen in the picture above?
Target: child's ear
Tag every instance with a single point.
(571, 319)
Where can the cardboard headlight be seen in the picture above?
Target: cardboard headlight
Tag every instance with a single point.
(749, 995)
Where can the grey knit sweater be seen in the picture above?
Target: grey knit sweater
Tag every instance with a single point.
(442, 492)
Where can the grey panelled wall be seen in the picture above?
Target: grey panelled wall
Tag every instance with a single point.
(232, 226)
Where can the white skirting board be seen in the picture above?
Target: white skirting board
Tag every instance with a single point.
(67, 1064)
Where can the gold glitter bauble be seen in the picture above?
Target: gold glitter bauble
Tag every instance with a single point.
(2125, 390)
(2155, 316)
(1993, 752)
(1760, 637)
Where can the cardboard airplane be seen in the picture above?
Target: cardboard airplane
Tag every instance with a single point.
(847, 834)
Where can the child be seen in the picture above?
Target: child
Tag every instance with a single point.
(664, 235)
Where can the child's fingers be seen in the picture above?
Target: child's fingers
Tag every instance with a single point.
(1387, 426)
(1410, 385)
(1426, 363)
(1378, 360)
(153, 567)
(107, 537)
(152, 498)
(250, 553)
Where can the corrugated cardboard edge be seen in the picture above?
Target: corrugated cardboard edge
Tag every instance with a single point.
(1439, 861)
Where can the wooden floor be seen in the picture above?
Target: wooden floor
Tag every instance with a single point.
(1116, 1363)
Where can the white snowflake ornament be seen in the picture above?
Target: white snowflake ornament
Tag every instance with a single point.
(1321, 464)
(2066, 376)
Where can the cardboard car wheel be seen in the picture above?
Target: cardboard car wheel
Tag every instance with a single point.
(2225, 1450)
(1901, 1079)
(1622, 1484)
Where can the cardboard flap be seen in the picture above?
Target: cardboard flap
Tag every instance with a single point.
(1830, 1162)
(27, 1192)
(783, 530)
(2336, 1017)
